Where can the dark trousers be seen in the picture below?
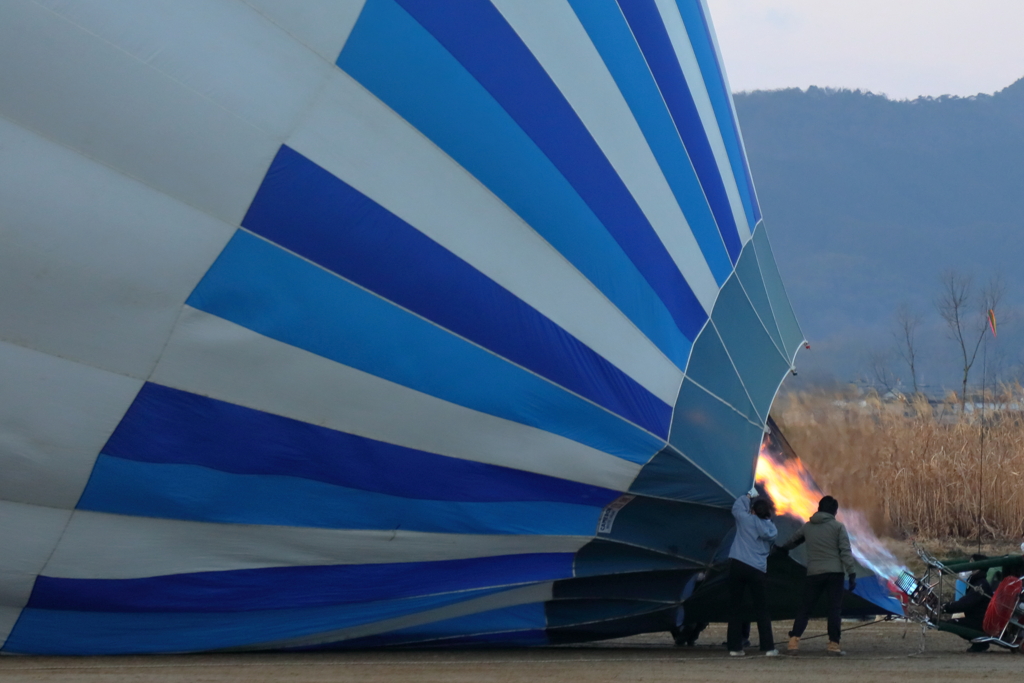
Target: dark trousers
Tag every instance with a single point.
(832, 585)
(742, 577)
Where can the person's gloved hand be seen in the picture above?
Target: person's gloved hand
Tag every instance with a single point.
(752, 493)
(853, 582)
(946, 609)
(779, 550)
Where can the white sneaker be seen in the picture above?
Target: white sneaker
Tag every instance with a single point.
(771, 653)
(737, 653)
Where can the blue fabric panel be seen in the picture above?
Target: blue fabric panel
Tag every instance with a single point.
(759, 363)
(264, 288)
(749, 274)
(568, 613)
(600, 557)
(476, 34)
(650, 33)
(652, 586)
(670, 475)
(534, 638)
(60, 632)
(523, 622)
(650, 622)
(165, 425)
(683, 530)
(699, 32)
(312, 213)
(199, 494)
(784, 316)
(294, 587)
(424, 639)
(711, 368)
(716, 437)
(872, 589)
(613, 39)
(397, 60)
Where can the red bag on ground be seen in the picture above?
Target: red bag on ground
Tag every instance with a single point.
(1000, 609)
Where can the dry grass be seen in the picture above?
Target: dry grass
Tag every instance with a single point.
(913, 468)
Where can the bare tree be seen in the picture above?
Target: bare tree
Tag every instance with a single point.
(966, 316)
(884, 378)
(905, 336)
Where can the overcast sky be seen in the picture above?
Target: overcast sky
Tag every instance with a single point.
(903, 48)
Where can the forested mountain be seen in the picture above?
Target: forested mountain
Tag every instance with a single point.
(867, 200)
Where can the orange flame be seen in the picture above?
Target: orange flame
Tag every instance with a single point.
(788, 484)
(791, 487)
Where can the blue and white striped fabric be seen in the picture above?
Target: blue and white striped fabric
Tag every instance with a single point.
(371, 323)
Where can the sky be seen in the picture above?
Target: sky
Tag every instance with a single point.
(902, 48)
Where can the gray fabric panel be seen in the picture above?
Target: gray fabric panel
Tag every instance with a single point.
(711, 368)
(670, 475)
(720, 440)
(792, 336)
(749, 273)
(683, 530)
(760, 365)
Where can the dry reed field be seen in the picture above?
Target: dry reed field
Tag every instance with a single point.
(913, 468)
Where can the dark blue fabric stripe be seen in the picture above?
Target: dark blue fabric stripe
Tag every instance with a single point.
(307, 210)
(650, 33)
(699, 31)
(478, 36)
(607, 28)
(65, 632)
(165, 425)
(190, 492)
(517, 625)
(294, 587)
(397, 60)
(257, 285)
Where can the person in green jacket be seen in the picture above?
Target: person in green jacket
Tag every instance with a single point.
(828, 555)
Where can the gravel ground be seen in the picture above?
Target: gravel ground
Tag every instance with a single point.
(878, 651)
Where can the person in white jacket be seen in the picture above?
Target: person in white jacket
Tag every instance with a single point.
(748, 567)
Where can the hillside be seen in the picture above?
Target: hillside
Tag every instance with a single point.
(868, 200)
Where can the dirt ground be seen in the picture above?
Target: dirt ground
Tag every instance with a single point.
(878, 651)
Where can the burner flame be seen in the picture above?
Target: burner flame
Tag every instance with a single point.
(788, 483)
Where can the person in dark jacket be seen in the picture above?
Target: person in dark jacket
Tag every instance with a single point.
(748, 566)
(828, 556)
(973, 604)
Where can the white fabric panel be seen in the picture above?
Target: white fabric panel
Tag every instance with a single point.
(28, 534)
(695, 80)
(94, 265)
(77, 89)
(218, 48)
(210, 356)
(97, 545)
(526, 595)
(322, 25)
(357, 138)
(56, 416)
(556, 38)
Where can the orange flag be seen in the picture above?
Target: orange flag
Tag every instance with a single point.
(992, 321)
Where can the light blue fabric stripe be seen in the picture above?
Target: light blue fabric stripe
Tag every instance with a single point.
(201, 494)
(700, 37)
(613, 39)
(257, 285)
(396, 59)
(58, 632)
